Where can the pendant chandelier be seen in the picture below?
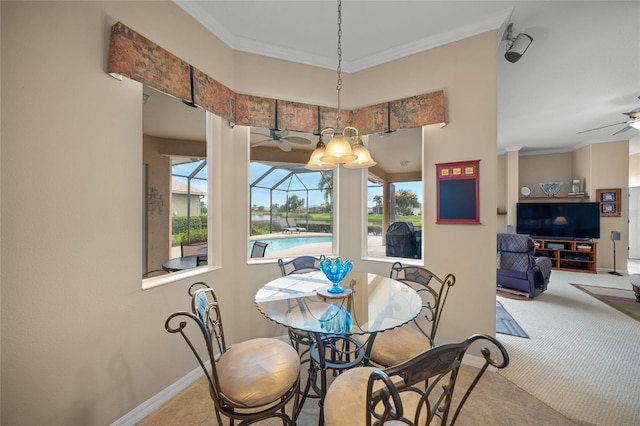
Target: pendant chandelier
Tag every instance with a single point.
(339, 149)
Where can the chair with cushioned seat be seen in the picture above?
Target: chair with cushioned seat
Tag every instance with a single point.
(299, 265)
(399, 344)
(398, 395)
(249, 381)
(517, 270)
(301, 340)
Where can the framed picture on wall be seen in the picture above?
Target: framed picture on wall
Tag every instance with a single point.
(609, 200)
(458, 198)
(607, 208)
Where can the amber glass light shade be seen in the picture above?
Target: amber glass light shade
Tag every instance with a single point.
(338, 150)
(363, 159)
(314, 161)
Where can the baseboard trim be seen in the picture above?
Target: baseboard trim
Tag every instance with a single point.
(476, 361)
(153, 403)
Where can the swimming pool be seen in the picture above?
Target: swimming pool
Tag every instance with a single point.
(277, 244)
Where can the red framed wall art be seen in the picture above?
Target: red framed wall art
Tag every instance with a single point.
(458, 197)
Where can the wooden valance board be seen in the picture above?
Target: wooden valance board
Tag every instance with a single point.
(133, 56)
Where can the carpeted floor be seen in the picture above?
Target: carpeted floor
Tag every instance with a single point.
(581, 357)
(505, 324)
(622, 300)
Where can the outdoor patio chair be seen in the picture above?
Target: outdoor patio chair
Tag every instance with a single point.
(258, 249)
(395, 346)
(292, 222)
(368, 395)
(250, 381)
(285, 226)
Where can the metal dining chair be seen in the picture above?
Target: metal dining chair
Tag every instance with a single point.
(300, 340)
(397, 394)
(192, 249)
(248, 381)
(398, 345)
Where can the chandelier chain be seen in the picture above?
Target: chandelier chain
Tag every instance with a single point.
(339, 70)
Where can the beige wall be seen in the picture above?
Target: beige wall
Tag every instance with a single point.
(158, 220)
(536, 169)
(81, 343)
(610, 169)
(634, 170)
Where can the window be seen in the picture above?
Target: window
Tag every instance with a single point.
(188, 201)
(394, 195)
(174, 179)
(291, 208)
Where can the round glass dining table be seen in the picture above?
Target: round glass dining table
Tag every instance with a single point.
(370, 304)
(374, 302)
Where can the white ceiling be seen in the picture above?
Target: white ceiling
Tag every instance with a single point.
(582, 70)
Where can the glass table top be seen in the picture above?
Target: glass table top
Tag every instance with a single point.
(376, 303)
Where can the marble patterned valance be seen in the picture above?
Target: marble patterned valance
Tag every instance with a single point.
(138, 58)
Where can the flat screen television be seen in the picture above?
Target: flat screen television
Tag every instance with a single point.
(577, 220)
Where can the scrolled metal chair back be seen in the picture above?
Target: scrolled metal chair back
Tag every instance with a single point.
(178, 322)
(204, 304)
(432, 289)
(439, 368)
(300, 265)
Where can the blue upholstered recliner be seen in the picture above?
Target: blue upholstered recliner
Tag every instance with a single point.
(517, 269)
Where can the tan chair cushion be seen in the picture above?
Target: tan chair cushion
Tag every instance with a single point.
(258, 371)
(395, 346)
(346, 404)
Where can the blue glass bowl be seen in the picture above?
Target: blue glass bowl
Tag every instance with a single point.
(336, 319)
(335, 270)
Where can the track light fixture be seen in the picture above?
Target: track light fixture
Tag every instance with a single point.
(516, 46)
(339, 150)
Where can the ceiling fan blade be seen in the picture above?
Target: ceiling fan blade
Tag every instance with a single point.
(623, 130)
(602, 127)
(276, 134)
(261, 134)
(633, 114)
(296, 139)
(284, 145)
(258, 143)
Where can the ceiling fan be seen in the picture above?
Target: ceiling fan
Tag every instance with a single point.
(632, 123)
(280, 136)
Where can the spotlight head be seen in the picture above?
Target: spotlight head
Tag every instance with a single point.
(517, 47)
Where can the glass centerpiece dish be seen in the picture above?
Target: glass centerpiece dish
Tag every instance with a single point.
(550, 189)
(335, 270)
(336, 319)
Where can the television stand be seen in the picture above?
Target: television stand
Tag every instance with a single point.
(568, 255)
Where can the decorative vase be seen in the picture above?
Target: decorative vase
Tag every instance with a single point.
(575, 186)
(335, 270)
(550, 189)
(336, 319)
